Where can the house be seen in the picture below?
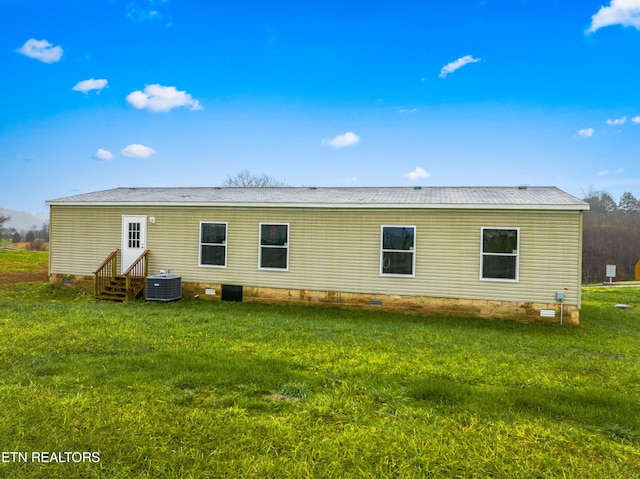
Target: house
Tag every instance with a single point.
(476, 251)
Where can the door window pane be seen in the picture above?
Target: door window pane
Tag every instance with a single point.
(134, 235)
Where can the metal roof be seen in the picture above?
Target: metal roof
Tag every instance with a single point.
(530, 197)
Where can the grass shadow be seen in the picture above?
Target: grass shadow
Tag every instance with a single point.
(613, 413)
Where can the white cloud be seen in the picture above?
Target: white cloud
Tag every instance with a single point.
(405, 110)
(138, 151)
(618, 171)
(353, 180)
(586, 132)
(617, 121)
(455, 65)
(619, 12)
(162, 98)
(103, 154)
(417, 174)
(342, 141)
(636, 120)
(149, 10)
(41, 50)
(87, 85)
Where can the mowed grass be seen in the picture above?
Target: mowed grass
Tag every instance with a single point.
(204, 389)
(15, 265)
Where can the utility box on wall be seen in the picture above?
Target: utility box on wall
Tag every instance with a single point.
(164, 287)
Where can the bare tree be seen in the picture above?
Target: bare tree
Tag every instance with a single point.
(611, 235)
(3, 220)
(246, 179)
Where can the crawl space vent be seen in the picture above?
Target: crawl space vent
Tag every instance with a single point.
(231, 293)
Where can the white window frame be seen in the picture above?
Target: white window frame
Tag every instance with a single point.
(225, 244)
(412, 251)
(516, 254)
(260, 245)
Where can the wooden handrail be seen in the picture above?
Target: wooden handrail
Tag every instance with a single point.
(106, 276)
(135, 276)
(135, 263)
(102, 275)
(106, 261)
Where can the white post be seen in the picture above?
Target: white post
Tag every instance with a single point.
(611, 272)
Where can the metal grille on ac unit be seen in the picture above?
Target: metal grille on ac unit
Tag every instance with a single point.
(164, 287)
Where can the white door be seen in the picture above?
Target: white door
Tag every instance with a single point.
(134, 238)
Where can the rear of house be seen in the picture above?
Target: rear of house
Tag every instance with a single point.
(490, 252)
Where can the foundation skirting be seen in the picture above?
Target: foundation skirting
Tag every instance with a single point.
(73, 281)
(519, 311)
(481, 308)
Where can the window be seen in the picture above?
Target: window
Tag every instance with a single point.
(213, 244)
(398, 250)
(134, 235)
(499, 257)
(274, 246)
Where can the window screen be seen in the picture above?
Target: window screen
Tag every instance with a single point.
(274, 246)
(500, 255)
(213, 244)
(398, 250)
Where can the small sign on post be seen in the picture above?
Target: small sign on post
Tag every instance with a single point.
(611, 272)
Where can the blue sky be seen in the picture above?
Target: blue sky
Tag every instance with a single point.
(114, 93)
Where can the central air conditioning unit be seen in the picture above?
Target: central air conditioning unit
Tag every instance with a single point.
(164, 287)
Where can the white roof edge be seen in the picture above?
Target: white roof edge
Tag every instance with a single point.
(418, 206)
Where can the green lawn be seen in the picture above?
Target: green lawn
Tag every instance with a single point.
(202, 389)
(23, 261)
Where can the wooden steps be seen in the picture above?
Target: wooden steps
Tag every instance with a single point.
(111, 286)
(114, 290)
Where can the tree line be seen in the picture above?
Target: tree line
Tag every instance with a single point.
(611, 236)
(36, 236)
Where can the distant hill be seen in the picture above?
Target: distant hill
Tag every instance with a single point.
(23, 220)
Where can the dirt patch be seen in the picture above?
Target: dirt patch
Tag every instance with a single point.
(24, 277)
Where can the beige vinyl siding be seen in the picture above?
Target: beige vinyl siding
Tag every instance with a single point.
(81, 238)
(336, 249)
